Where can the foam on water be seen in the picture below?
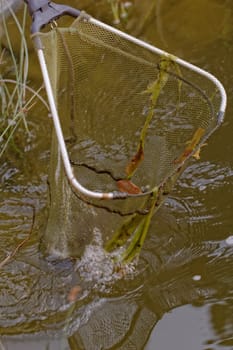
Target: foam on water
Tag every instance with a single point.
(229, 240)
(99, 267)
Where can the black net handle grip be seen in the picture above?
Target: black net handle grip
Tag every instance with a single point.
(44, 12)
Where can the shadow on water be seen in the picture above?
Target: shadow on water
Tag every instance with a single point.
(180, 293)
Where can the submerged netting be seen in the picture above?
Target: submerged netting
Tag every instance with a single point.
(131, 117)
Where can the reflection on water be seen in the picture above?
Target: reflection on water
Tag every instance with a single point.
(197, 326)
(186, 264)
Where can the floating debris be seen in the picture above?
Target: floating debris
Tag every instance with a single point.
(74, 293)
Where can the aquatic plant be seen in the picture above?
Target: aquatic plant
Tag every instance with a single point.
(138, 225)
(16, 96)
(119, 9)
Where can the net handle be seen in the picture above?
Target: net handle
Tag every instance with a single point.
(45, 11)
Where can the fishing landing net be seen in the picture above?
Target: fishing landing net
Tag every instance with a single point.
(131, 116)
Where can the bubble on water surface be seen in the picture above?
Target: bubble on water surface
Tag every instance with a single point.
(196, 277)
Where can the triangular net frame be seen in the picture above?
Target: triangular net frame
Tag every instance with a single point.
(131, 115)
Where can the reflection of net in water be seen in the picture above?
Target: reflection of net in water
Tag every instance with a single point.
(131, 117)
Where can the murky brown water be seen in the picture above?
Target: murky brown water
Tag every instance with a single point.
(180, 296)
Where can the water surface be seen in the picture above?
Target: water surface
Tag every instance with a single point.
(180, 294)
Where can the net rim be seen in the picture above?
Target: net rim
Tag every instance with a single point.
(67, 164)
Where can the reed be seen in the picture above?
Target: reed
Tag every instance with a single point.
(17, 98)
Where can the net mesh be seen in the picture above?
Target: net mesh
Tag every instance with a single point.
(130, 116)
